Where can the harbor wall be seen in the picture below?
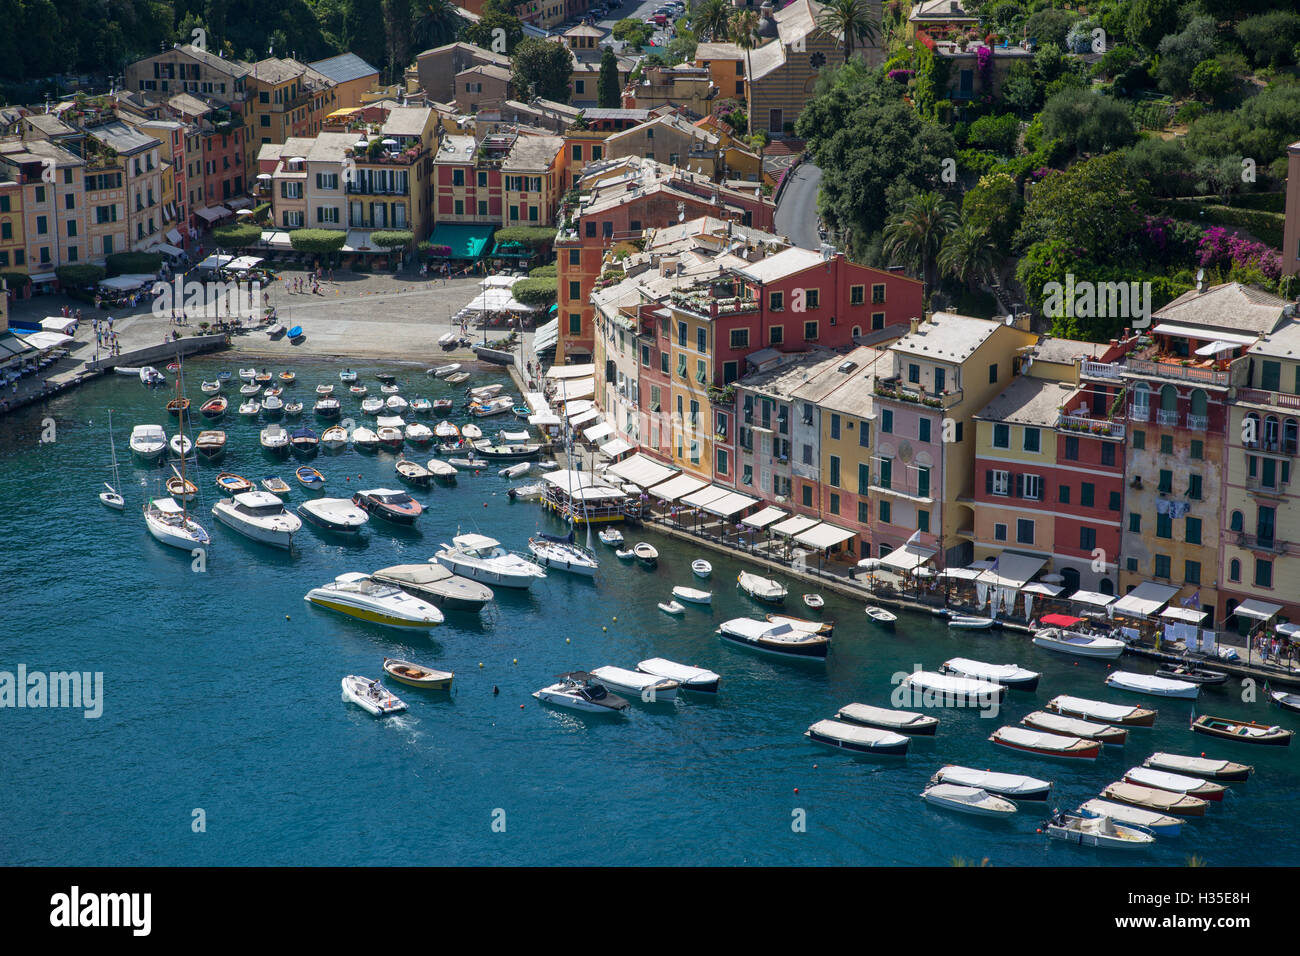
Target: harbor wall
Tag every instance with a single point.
(163, 353)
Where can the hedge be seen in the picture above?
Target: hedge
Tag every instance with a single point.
(79, 275)
(544, 272)
(536, 291)
(133, 263)
(392, 238)
(237, 235)
(16, 280)
(317, 240)
(539, 237)
(1264, 226)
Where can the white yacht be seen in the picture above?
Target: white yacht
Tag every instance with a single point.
(334, 514)
(578, 690)
(148, 442)
(275, 440)
(181, 445)
(563, 555)
(359, 596)
(1078, 643)
(259, 515)
(169, 523)
(480, 558)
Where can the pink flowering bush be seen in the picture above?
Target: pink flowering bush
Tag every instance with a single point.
(1218, 247)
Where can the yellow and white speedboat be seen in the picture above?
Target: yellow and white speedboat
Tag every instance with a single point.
(357, 595)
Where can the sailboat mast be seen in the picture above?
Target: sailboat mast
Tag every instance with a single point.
(184, 414)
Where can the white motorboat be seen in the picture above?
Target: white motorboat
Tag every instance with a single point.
(1099, 832)
(293, 409)
(364, 439)
(358, 595)
(1046, 745)
(273, 406)
(395, 403)
(358, 391)
(334, 438)
(1176, 783)
(968, 622)
(275, 440)
(151, 377)
(1121, 715)
(484, 392)
(347, 376)
(692, 595)
(170, 524)
(327, 408)
(881, 616)
(259, 515)
(493, 406)
(701, 568)
(371, 696)
(480, 558)
(1013, 786)
(1078, 643)
(1075, 727)
(761, 588)
(1155, 686)
(814, 601)
(649, 688)
(563, 555)
(250, 409)
(624, 554)
(418, 433)
(952, 796)
(324, 389)
(672, 607)
(247, 374)
(886, 718)
(334, 514)
(446, 431)
(442, 470)
(389, 389)
(578, 690)
(932, 689)
(1200, 766)
(249, 390)
(772, 638)
(180, 445)
(857, 739)
(1010, 675)
(442, 371)
(695, 679)
(646, 553)
(148, 442)
(611, 536)
(372, 406)
(1161, 824)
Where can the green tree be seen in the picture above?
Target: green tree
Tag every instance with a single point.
(914, 235)
(852, 21)
(968, 254)
(1270, 37)
(536, 291)
(712, 20)
(609, 96)
(1087, 121)
(1150, 21)
(1180, 52)
(392, 238)
(993, 204)
(237, 236)
(1049, 27)
(398, 20)
(319, 241)
(1091, 205)
(436, 23)
(1210, 80)
(744, 31)
(633, 32)
(497, 27)
(363, 30)
(542, 68)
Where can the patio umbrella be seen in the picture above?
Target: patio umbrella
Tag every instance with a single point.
(869, 564)
(389, 142)
(265, 176)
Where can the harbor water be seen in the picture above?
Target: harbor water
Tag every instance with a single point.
(223, 738)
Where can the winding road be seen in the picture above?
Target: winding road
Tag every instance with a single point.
(796, 213)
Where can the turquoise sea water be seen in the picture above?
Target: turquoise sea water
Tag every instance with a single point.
(222, 693)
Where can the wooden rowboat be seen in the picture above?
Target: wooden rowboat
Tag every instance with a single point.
(233, 484)
(1242, 731)
(413, 675)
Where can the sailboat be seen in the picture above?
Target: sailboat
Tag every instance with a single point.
(112, 497)
(168, 520)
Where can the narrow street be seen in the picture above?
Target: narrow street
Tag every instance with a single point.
(796, 213)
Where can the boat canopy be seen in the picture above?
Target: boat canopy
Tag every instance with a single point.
(1060, 620)
(1145, 600)
(1258, 610)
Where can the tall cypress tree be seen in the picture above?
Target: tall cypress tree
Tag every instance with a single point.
(609, 95)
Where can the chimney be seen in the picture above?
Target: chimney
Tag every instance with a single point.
(913, 324)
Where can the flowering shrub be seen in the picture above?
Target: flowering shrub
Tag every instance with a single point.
(901, 76)
(1219, 247)
(984, 66)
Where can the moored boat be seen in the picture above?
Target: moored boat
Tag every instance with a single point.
(886, 718)
(693, 595)
(148, 442)
(761, 588)
(232, 484)
(969, 622)
(181, 489)
(413, 473)
(803, 624)
(304, 441)
(701, 568)
(364, 439)
(1242, 731)
(481, 558)
(932, 689)
(649, 688)
(327, 408)
(276, 486)
(881, 616)
(358, 595)
(275, 440)
(1151, 798)
(646, 553)
(211, 445)
(1176, 783)
(1102, 832)
(1286, 700)
(171, 525)
(672, 607)
(214, 407)
(695, 679)
(258, 515)
(1119, 714)
(443, 471)
(814, 602)
(771, 638)
(1009, 675)
(309, 477)
(415, 675)
(334, 438)
(436, 584)
(1075, 727)
(178, 407)
(1078, 644)
(1046, 745)
(1155, 686)
(250, 409)
(1192, 674)
(952, 796)
(334, 514)
(611, 536)
(1013, 786)
(1200, 766)
(858, 739)
(395, 506)
(1160, 824)
(371, 696)
(562, 554)
(578, 690)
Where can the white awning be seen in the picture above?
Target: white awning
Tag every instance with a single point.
(127, 283)
(1188, 614)
(40, 277)
(825, 536)
(642, 471)
(1012, 570)
(57, 323)
(167, 250)
(575, 388)
(216, 261)
(615, 448)
(571, 371)
(582, 418)
(581, 485)
(1202, 335)
(961, 574)
(674, 488)
(705, 496)
(211, 215)
(545, 418)
(1144, 600)
(1259, 610)
(907, 558)
(1289, 630)
(597, 432)
(761, 519)
(793, 526)
(356, 240)
(174, 236)
(276, 239)
(1038, 587)
(245, 262)
(731, 503)
(44, 341)
(537, 401)
(577, 407)
(1095, 598)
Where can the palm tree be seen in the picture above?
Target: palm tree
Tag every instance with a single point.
(915, 234)
(852, 21)
(744, 31)
(711, 19)
(968, 253)
(436, 22)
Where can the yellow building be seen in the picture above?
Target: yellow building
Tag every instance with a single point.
(689, 337)
(530, 177)
(390, 187)
(13, 247)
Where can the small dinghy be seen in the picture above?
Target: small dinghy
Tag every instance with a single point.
(471, 431)
(611, 536)
(648, 688)
(814, 602)
(413, 675)
(363, 439)
(395, 403)
(413, 473)
(275, 485)
(371, 696)
(1200, 766)
(880, 616)
(387, 378)
(231, 484)
(857, 739)
(693, 596)
(250, 409)
(247, 374)
(1046, 745)
(421, 406)
(695, 679)
(288, 378)
(647, 554)
(250, 389)
(1099, 832)
(442, 371)
(182, 489)
(1242, 731)
(1013, 786)
(1075, 727)
(214, 407)
(178, 407)
(968, 622)
(672, 607)
(211, 445)
(761, 588)
(1158, 823)
(951, 796)
(885, 718)
(1191, 674)
(624, 554)
(181, 446)
(441, 405)
(1286, 700)
(347, 376)
(309, 478)
(515, 471)
(209, 388)
(1118, 714)
(444, 471)
(334, 438)
(455, 378)
(372, 406)
(701, 568)
(1009, 675)
(1155, 686)
(359, 391)
(1176, 783)
(389, 389)
(1159, 801)
(293, 409)
(324, 390)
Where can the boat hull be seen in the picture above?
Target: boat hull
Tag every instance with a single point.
(888, 749)
(369, 615)
(267, 536)
(810, 651)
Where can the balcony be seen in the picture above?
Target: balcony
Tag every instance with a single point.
(1256, 487)
(1167, 417)
(1092, 426)
(365, 189)
(915, 395)
(1177, 371)
(1260, 396)
(1139, 413)
(1198, 423)
(1270, 545)
(1106, 370)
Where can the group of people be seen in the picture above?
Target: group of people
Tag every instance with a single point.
(105, 337)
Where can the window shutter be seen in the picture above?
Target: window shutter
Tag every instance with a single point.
(1020, 486)
(988, 482)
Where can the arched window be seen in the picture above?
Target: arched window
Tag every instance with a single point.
(1237, 522)
(1234, 571)
(1169, 399)
(1251, 430)
(1271, 433)
(857, 330)
(1200, 404)
(1107, 586)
